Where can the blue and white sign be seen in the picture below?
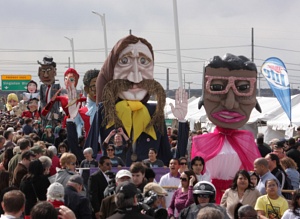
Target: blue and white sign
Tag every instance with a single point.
(276, 74)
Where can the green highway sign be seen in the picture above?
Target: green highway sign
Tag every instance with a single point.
(15, 82)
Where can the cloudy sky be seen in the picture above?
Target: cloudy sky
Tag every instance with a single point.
(31, 29)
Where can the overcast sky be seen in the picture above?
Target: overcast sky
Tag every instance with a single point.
(31, 29)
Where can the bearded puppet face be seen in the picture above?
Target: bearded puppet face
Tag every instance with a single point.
(47, 74)
(135, 64)
(229, 96)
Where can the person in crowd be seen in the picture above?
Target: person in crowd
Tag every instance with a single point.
(247, 212)
(7, 155)
(126, 202)
(34, 185)
(24, 145)
(273, 142)
(279, 173)
(116, 161)
(13, 204)
(38, 151)
(2, 142)
(48, 135)
(22, 168)
(293, 152)
(159, 191)
(254, 178)
(8, 135)
(121, 149)
(47, 163)
(290, 168)
(210, 213)
(68, 168)
(55, 160)
(204, 196)
(241, 191)
(78, 203)
(4, 180)
(294, 211)
(108, 205)
(62, 135)
(198, 166)
(152, 160)
(183, 162)
(62, 148)
(43, 210)
(27, 128)
(97, 183)
(55, 194)
(138, 170)
(170, 181)
(262, 147)
(271, 205)
(183, 197)
(150, 175)
(88, 162)
(278, 149)
(261, 168)
(57, 129)
(192, 134)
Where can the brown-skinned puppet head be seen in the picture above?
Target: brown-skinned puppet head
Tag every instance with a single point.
(47, 70)
(229, 90)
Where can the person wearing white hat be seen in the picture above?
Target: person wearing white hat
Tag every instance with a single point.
(55, 194)
(108, 205)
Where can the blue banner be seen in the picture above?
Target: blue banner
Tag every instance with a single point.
(276, 74)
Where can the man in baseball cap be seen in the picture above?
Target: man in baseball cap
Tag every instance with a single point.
(108, 205)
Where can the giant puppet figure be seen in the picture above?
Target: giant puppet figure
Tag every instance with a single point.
(123, 88)
(229, 95)
(47, 73)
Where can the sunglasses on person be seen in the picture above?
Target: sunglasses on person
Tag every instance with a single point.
(183, 163)
(183, 179)
(110, 149)
(203, 196)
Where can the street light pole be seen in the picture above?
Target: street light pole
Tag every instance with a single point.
(102, 17)
(72, 46)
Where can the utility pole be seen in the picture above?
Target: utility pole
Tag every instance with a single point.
(69, 61)
(102, 17)
(167, 80)
(129, 31)
(189, 83)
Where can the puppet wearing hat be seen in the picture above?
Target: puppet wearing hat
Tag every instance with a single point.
(47, 73)
(229, 95)
(123, 87)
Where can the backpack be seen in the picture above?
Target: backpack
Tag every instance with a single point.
(286, 184)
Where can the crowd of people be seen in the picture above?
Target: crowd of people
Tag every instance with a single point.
(37, 172)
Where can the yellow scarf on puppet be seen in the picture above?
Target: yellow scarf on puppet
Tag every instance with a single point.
(134, 114)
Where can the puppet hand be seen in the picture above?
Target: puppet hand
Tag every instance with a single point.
(73, 106)
(180, 109)
(55, 95)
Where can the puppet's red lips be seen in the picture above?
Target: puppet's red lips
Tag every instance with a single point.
(228, 116)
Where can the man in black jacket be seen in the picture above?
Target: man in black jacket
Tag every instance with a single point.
(126, 202)
(78, 203)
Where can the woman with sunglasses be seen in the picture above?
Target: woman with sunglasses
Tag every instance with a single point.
(116, 161)
(271, 205)
(241, 191)
(183, 197)
(183, 165)
(294, 212)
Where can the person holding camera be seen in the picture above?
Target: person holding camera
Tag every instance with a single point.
(127, 203)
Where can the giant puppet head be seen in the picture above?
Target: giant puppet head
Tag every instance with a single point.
(12, 100)
(229, 90)
(47, 70)
(71, 78)
(127, 74)
(89, 81)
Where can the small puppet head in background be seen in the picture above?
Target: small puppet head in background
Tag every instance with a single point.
(47, 70)
(71, 78)
(89, 81)
(32, 87)
(33, 104)
(12, 100)
(229, 90)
